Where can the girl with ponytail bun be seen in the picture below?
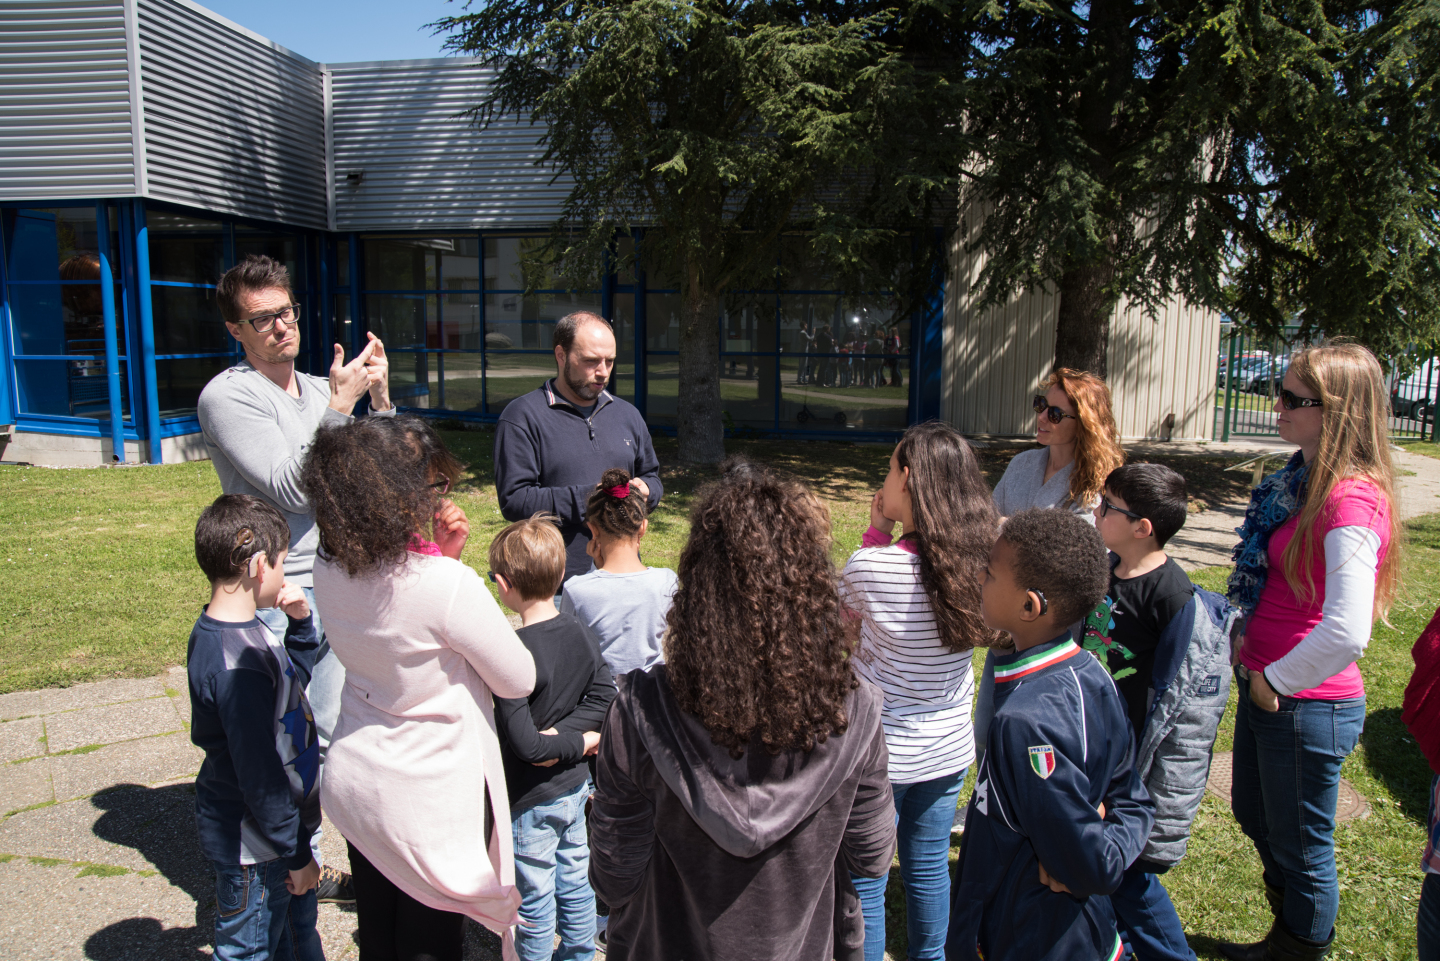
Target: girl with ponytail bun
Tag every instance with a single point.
(623, 601)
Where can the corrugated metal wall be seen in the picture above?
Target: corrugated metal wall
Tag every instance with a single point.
(233, 122)
(65, 123)
(399, 125)
(995, 359)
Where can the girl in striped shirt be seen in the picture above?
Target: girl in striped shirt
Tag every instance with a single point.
(919, 604)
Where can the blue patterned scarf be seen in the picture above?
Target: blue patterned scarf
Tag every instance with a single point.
(1273, 503)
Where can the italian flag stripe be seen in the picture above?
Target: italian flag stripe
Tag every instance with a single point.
(1035, 662)
(1119, 950)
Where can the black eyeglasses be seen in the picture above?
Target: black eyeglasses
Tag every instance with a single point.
(265, 323)
(1056, 415)
(1289, 401)
(1106, 507)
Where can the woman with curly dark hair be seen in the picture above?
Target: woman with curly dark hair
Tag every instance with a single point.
(919, 604)
(742, 782)
(415, 753)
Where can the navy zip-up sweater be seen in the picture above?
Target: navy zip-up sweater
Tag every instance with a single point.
(549, 457)
(257, 797)
(1059, 745)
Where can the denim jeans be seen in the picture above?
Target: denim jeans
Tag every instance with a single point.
(1286, 783)
(924, 814)
(1427, 922)
(1147, 920)
(552, 870)
(257, 919)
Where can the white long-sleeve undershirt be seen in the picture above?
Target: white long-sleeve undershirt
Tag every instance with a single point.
(1352, 558)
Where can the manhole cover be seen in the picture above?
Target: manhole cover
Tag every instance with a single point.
(1348, 806)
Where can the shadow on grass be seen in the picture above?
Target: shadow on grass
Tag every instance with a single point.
(1393, 758)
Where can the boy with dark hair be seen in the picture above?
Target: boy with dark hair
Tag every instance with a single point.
(544, 740)
(1058, 810)
(1167, 647)
(257, 799)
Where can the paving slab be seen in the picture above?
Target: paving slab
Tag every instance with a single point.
(111, 723)
(144, 761)
(96, 693)
(23, 738)
(19, 704)
(22, 785)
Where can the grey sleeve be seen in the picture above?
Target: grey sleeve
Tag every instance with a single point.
(245, 430)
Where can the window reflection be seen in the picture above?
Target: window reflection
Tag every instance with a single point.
(185, 249)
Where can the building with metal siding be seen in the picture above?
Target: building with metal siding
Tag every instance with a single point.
(157, 143)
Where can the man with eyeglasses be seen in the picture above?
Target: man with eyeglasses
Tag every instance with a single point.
(258, 419)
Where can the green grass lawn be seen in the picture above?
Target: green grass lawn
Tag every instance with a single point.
(101, 582)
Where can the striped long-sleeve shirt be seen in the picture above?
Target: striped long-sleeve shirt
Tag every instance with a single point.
(928, 688)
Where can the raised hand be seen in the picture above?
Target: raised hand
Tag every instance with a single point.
(292, 601)
(640, 486)
(349, 382)
(377, 369)
(452, 529)
(878, 520)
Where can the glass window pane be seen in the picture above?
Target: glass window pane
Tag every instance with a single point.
(403, 320)
(342, 263)
(662, 321)
(460, 315)
(342, 332)
(747, 389)
(662, 388)
(808, 404)
(62, 319)
(180, 383)
(460, 263)
(411, 376)
(69, 388)
(461, 387)
(658, 276)
(506, 268)
(802, 316)
(623, 265)
(401, 263)
(527, 322)
(185, 249)
(187, 321)
(622, 381)
(57, 243)
(277, 246)
(748, 324)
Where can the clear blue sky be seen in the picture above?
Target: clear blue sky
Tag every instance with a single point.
(337, 31)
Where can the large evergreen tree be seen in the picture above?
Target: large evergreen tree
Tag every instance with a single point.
(725, 125)
(1259, 156)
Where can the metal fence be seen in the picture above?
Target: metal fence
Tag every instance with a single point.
(1252, 369)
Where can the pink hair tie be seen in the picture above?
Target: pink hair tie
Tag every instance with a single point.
(620, 491)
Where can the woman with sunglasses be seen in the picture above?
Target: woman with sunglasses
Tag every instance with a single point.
(1316, 563)
(415, 755)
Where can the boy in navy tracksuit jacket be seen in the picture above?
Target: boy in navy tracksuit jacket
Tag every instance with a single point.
(1059, 811)
(257, 797)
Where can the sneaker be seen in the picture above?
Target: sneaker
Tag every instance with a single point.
(335, 887)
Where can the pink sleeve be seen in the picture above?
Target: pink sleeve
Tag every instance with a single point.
(876, 538)
(1356, 502)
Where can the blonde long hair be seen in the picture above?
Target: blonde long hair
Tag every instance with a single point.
(1097, 440)
(1354, 442)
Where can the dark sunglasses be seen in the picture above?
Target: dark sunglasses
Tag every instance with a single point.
(1289, 401)
(1106, 507)
(1056, 415)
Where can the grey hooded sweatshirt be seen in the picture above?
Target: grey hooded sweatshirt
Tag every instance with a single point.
(703, 856)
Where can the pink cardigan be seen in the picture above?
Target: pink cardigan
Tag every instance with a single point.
(415, 751)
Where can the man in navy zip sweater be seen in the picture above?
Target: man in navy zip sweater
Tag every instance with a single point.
(552, 444)
(1058, 811)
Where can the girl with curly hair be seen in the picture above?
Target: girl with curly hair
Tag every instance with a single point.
(742, 782)
(918, 601)
(415, 754)
(621, 600)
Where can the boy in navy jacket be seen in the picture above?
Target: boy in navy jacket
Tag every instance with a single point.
(257, 798)
(1058, 811)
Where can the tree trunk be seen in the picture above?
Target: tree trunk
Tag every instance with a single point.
(1082, 331)
(700, 431)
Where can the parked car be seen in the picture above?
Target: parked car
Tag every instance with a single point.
(1246, 369)
(1267, 378)
(1414, 396)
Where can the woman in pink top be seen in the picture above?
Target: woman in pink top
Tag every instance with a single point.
(415, 755)
(1315, 565)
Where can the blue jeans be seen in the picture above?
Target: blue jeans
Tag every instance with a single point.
(1427, 922)
(257, 919)
(1147, 920)
(552, 869)
(1286, 783)
(924, 814)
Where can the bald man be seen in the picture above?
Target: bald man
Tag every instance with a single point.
(552, 444)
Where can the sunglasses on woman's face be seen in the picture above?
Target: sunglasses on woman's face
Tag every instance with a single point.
(1047, 409)
(1289, 401)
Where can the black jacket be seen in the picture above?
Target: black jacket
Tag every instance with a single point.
(1059, 745)
(701, 856)
(548, 457)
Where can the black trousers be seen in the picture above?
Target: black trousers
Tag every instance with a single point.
(396, 927)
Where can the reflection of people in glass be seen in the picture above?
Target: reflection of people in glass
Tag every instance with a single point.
(806, 337)
(84, 310)
(874, 347)
(892, 349)
(825, 346)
